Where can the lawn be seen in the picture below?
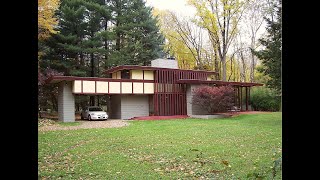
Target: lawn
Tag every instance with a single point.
(242, 147)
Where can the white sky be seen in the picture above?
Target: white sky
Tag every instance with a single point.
(178, 6)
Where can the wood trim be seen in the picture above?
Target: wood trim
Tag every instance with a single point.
(238, 97)
(197, 81)
(108, 93)
(249, 96)
(133, 67)
(81, 86)
(247, 99)
(73, 78)
(241, 99)
(143, 74)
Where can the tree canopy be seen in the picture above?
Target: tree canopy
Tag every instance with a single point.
(46, 19)
(86, 37)
(270, 56)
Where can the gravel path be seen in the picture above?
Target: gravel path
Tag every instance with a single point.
(87, 125)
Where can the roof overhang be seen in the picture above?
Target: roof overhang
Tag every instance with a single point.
(129, 67)
(197, 81)
(57, 79)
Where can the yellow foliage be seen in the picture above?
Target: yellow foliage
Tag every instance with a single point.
(174, 44)
(46, 19)
(208, 19)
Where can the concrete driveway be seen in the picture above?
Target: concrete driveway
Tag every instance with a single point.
(85, 124)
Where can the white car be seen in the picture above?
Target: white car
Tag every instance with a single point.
(94, 113)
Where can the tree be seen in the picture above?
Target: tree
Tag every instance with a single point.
(184, 39)
(98, 34)
(77, 49)
(221, 19)
(137, 37)
(253, 21)
(190, 35)
(46, 23)
(46, 19)
(174, 46)
(47, 93)
(265, 99)
(271, 55)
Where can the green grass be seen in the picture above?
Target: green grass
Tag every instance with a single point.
(243, 147)
(69, 123)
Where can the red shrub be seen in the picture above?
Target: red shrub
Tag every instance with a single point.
(214, 99)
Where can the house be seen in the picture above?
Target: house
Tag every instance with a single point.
(162, 89)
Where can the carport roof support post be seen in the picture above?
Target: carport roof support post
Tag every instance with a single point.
(66, 103)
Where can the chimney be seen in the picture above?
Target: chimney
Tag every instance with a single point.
(165, 63)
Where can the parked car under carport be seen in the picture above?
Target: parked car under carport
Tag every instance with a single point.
(93, 113)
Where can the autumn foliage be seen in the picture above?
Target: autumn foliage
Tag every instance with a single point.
(48, 72)
(46, 19)
(214, 99)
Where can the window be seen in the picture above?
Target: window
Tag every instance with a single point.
(95, 109)
(125, 74)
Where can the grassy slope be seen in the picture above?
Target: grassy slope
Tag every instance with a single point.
(242, 147)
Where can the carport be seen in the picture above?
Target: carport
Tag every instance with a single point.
(129, 97)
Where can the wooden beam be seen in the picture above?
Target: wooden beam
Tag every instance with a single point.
(238, 88)
(81, 86)
(247, 99)
(249, 94)
(241, 98)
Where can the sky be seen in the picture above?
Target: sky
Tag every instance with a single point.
(178, 6)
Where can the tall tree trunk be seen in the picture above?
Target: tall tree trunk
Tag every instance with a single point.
(92, 65)
(199, 60)
(81, 59)
(106, 47)
(117, 25)
(235, 71)
(224, 69)
(92, 98)
(118, 41)
(216, 63)
(216, 68)
(231, 70)
(54, 102)
(252, 68)
(39, 111)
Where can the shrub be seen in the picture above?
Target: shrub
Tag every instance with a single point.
(214, 99)
(265, 99)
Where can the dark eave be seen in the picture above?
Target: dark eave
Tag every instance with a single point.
(57, 79)
(129, 67)
(197, 81)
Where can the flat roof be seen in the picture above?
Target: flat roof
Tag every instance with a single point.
(57, 79)
(197, 81)
(134, 67)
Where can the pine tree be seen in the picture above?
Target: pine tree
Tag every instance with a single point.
(95, 35)
(77, 49)
(271, 55)
(66, 52)
(138, 38)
